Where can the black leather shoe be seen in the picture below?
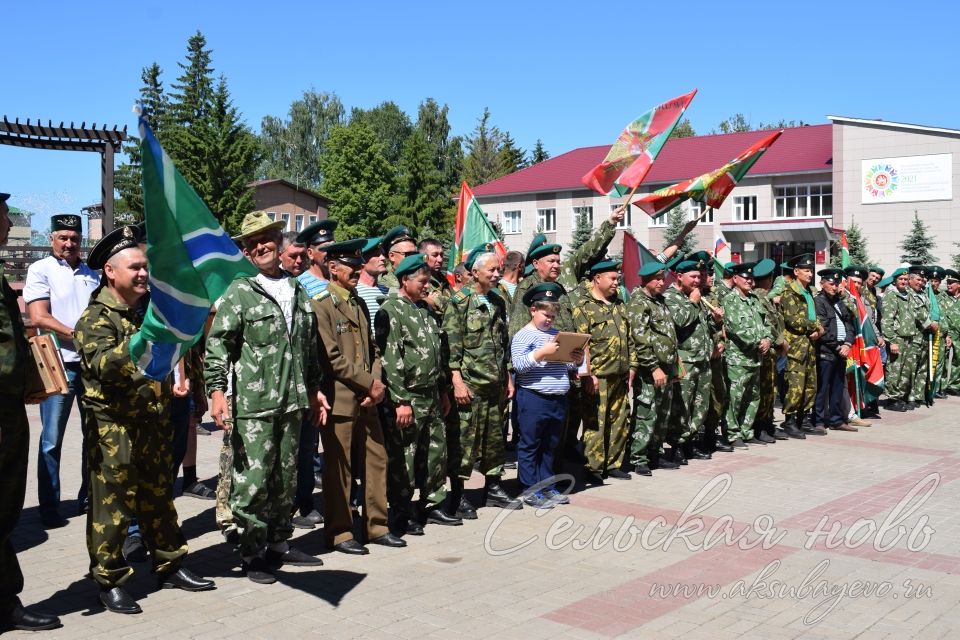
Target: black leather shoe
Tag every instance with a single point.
(677, 455)
(318, 480)
(257, 570)
(23, 619)
(465, 510)
(779, 434)
(389, 540)
(186, 580)
(664, 463)
(722, 446)
(617, 474)
(496, 496)
(899, 406)
(118, 600)
(134, 549)
(302, 522)
(765, 438)
(756, 440)
(795, 433)
(437, 516)
(292, 557)
(591, 478)
(351, 547)
(642, 470)
(315, 517)
(414, 528)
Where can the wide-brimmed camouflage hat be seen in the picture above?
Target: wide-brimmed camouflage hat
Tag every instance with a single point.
(255, 222)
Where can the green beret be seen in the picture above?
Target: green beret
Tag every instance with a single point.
(318, 232)
(899, 271)
(936, 272)
(875, 269)
(764, 268)
(886, 282)
(831, 275)
(743, 269)
(542, 251)
(486, 247)
(604, 266)
(803, 261)
(700, 256)
(545, 291)
(371, 244)
(687, 266)
(398, 234)
(65, 222)
(410, 264)
(538, 241)
(113, 243)
(527, 270)
(346, 251)
(857, 271)
(651, 268)
(675, 260)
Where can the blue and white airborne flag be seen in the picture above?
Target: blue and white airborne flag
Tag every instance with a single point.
(192, 261)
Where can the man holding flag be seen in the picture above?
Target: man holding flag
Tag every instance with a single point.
(951, 318)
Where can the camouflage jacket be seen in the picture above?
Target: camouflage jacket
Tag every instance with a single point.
(716, 326)
(921, 306)
(950, 317)
(797, 324)
(745, 326)
(653, 338)
(272, 368)
(114, 390)
(901, 323)
(388, 279)
(721, 289)
(520, 313)
(692, 322)
(772, 316)
(409, 343)
(477, 339)
(609, 334)
(14, 350)
(441, 291)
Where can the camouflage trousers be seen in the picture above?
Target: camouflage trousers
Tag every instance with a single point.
(801, 378)
(14, 450)
(767, 384)
(264, 478)
(651, 418)
(951, 382)
(605, 430)
(130, 467)
(919, 351)
(478, 435)
(417, 455)
(902, 370)
(744, 400)
(691, 401)
(719, 387)
(224, 516)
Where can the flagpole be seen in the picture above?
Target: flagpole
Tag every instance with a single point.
(856, 386)
(929, 397)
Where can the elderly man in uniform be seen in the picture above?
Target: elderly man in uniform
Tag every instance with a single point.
(315, 238)
(352, 367)
(803, 329)
(265, 334)
(416, 443)
(57, 291)
(764, 429)
(475, 323)
(14, 449)
(714, 432)
(397, 244)
(129, 433)
(833, 348)
(899, 330)
(951, 318)
(749, 338)
(654, 362)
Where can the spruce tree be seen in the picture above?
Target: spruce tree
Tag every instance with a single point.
(231, 152)
(511, 157)
(916, 247)
(483, 162)
(582, 230)
(539, 153)
(956, 257)
(676, 220)
(190, 104)
(421, 200)
(856, 244)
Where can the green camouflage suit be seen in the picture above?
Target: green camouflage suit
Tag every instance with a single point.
(695, 346)
(653, 344)
(799, 321)
(14, 441)
(130, 444)
(273, 369)
(605, 413)
(945, 301)
(477, 338)
(950, 322)
(900, 328)
(768, 363)
(718, 375)
(919, 346)
(409, 342)
(745, 325)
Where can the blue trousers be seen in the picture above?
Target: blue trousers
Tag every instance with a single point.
(541, 420)
(831, 385)
(54, 413)
(306, 466)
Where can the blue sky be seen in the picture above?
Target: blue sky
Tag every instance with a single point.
(570, 73)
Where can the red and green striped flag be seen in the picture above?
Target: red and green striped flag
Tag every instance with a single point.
(631, 156)
(844, 250)
(635, 255)
(865, 353)
(471, 229)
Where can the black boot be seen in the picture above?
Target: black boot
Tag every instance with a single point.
(677, 454)
(790, 428)
(692, 452)
(457, 504)
(496, 496)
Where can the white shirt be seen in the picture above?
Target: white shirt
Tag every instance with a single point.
(67, 289)
(281, 290)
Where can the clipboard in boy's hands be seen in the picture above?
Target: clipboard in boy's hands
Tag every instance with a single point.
(569, 342)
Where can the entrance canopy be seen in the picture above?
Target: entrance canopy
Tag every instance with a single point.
(814, 230)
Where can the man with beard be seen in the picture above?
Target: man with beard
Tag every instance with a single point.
(803, 329)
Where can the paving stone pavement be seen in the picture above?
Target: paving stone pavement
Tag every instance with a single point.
(676, 554)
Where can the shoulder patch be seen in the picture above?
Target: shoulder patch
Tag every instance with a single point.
(459, 296)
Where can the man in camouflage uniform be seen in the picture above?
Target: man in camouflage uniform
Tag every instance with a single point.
(128, 428)
(265, 334)
(397, 244)
(476, 327)
(935, 274)
(715, 430)
(900, 331)
(802, 329)
(749, 339)
(415, 438)
(691, 319)
(928, 328)
(951, 318)
(14, 449)
(440, 289)
(763, 427)
(602, 314)
(654, 362)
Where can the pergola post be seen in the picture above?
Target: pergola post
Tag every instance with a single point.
(106, 187)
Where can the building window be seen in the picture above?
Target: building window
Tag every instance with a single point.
(547, 220)
(661, 220)
(313, 219)
(625, 223)
(511, 222)
(745, 208)
(272, 215)
(286, 221)
(802, 201)
(581, 210)
(696, 210)
(299, 222)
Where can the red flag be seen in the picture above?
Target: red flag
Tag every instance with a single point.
(865, 351)
(635, 255)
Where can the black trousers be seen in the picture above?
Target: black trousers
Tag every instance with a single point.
(831, 385)
(14, 449)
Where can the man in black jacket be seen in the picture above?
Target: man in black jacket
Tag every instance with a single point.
(833, 347)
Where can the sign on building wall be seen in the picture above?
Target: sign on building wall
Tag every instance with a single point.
(907, 179)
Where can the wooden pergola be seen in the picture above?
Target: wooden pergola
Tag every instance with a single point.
(102, 140)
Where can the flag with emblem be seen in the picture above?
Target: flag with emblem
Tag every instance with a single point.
(632, 155)
(471, 229)
(844, 250)
(192, 261)
(865, 354)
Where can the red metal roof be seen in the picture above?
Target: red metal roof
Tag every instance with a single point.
(799, 149)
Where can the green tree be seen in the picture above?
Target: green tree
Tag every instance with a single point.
(291, 148)
(421, 199)
(856, 244)
(676, 219)
(483, 160)
(511, 157)
(432, 121)
(582, 230)
(917, 245)
(190, 103)
(539, 153)
(684, 129)
(956, 257)
(359, 180)
(734, 124)
(390, 124)
(231, 151)
(782, 124)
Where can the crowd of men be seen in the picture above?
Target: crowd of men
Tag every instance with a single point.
(355, 365)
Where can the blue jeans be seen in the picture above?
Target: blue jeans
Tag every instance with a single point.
(54, 413)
